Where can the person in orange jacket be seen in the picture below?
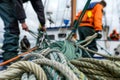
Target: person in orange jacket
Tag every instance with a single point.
(114, 35)
(91, 23)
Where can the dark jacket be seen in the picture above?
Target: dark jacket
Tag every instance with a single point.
(37, 5)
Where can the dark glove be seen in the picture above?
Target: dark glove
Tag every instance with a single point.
(99, 34)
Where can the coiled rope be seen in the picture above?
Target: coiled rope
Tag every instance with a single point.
(94, 68)
(16, 69)
(56, 57)
(62, 68)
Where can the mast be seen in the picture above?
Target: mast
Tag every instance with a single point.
(73, 11)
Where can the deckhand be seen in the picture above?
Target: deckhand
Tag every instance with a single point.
(13, 13)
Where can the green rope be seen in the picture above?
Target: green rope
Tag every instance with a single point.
(67, 48)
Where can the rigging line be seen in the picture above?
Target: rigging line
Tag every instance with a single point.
(45, 2)
(64, 11)
(112, 13)
(57, 11)
(76, 24)
(65, 14)
(46, 6)
(117, 7)
(105, 18)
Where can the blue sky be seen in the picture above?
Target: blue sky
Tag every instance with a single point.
(59, 10)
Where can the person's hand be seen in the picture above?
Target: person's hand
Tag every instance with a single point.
(99, 34)
(75, 36)
(24, 26)
(43, 28)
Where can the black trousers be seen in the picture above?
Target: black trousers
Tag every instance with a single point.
(11, 34)
(84, 32)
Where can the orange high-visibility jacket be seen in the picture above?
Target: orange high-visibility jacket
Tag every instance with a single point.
(114, 35)
(92, 17)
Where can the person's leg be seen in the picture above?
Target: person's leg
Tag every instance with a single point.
(11, 35)
(82, 37)
(84, 32)
(92, 45)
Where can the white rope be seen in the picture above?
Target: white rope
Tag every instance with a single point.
(58, 66)
(18, 68)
